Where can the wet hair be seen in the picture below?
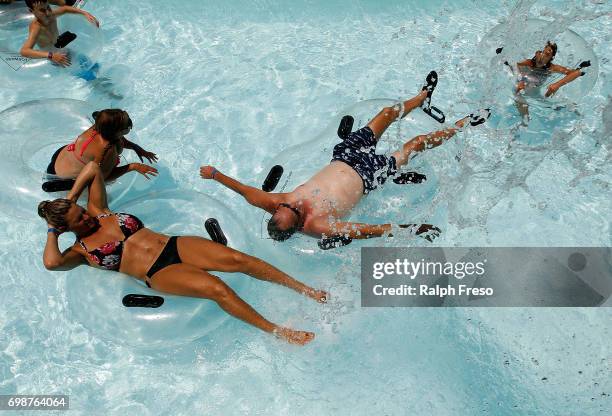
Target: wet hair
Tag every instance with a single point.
(54, 212)
(278, 234)
(110, 122)
(31, 3)
(553, 46)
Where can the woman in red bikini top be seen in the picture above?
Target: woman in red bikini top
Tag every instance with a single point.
(180, 265)
(102, 143)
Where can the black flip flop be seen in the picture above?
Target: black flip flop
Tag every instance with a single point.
(431, 83)
(334, 242)
(409, 177)
(432, 111)
(477, 119)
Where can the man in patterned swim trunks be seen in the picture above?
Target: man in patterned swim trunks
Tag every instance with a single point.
(316, 207)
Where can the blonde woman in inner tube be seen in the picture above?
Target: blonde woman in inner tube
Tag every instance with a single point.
(179, 265)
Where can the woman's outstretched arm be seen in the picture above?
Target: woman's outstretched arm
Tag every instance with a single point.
(91, 176)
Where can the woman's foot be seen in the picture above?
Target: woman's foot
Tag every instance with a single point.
(320, 296)
(294, 337)
(474, 119)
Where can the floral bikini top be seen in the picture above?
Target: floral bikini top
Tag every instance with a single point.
(108, 256)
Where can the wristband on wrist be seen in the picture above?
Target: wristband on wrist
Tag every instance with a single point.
(50, 56)
(52, 230)
(214, 172)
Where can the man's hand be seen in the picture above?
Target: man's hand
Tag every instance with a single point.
(61, 58)
(207, 172)
(143, 169)
(552, 89)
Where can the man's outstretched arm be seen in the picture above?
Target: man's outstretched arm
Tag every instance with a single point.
(356, 231)
(256, 197)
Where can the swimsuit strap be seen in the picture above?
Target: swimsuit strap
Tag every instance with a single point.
(72, 146)
(83, 245)
(84, 147)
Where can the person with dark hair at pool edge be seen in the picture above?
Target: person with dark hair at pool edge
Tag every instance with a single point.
(176, 265)
(316, 207)
(102, 143)
(43, 31)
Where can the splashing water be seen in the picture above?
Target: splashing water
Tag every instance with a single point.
(232, 84)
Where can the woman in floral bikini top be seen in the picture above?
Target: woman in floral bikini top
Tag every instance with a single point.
(108, 255)
(178, 265)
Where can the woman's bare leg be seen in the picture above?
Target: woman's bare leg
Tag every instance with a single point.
(208, 255)
(388, 115)
(187, 280)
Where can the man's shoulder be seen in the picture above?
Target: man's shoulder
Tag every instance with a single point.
(35, 25)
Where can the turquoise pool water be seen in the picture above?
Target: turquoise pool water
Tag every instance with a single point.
(233, 84)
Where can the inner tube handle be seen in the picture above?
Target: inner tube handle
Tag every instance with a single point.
(134, 300)
(274, 176)
(346, 126)
(214, 231)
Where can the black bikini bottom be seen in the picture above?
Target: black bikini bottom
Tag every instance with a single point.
(51, 167)
(167, 257)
